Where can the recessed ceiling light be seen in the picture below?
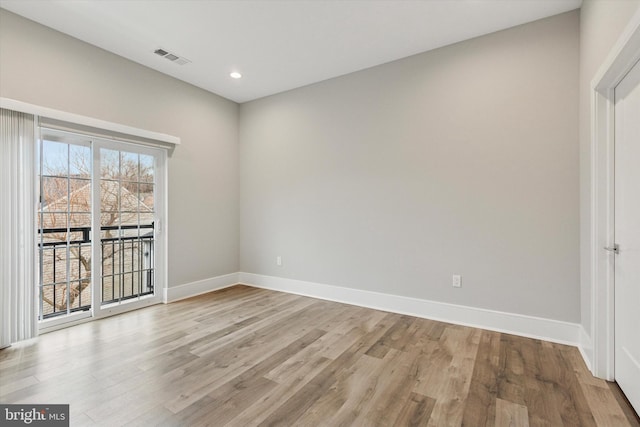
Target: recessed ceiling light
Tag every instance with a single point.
(235, 75)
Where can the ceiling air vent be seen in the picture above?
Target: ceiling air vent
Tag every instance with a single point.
(171, 56)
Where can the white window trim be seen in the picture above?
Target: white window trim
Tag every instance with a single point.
(36, 110)
(623, 56)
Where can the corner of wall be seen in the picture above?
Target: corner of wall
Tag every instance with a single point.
(199, 287)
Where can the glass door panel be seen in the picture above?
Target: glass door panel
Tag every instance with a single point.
(127, 215)
(64, 225)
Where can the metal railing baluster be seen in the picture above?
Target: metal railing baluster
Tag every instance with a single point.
(137, 267)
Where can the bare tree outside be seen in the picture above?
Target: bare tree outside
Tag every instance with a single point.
(126, 200)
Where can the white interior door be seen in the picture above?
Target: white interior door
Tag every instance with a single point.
(627, 236)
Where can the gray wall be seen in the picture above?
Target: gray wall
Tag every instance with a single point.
(44, 67)
(601, 24)
(459, 160)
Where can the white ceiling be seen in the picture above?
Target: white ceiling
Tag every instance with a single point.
(277, 44)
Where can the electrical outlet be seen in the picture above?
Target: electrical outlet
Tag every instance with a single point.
(457, 281)
(279, 261)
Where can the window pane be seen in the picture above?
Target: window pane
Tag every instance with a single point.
(128, 219)
(107, 286)
(79, 161)
(46, 258)
(110, 195)
(78, 294)
(109, 164)
(129, 201)
(50, 222)
(55, 158)
(80, 195)
(53, 299)
(147, 200)
(58, 266)
(146, 168)
(128, 166)
(54, 194)
(80, 220)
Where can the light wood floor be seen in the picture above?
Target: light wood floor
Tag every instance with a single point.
(249, 357)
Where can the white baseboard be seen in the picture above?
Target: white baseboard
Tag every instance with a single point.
(192, 289)
(517, 324)
(586, 348)
(527, 326)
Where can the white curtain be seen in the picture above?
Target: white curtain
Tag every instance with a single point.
(18, 304)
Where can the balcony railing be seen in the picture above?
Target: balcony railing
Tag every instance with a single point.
(65, 266)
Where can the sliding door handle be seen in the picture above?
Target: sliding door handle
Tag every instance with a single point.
(615, 248)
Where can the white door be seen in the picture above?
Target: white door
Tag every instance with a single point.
(627, 236)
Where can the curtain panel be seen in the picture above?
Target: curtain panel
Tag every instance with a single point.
(18, 302)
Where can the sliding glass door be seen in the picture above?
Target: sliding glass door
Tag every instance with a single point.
(127, 222)
(98, 226)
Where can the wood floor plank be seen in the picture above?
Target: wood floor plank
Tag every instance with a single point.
(416, 411)
(580, 370)
(511, 382)
(539, 393)
(403, 373)
(340, 345)
(344, 402)
(247, 357)
(258, 330)
(575, 408)
(519, 382)
(433, 374)
(398, 336)
(480, 408)
(463, 344)
(604, 406)
(509, 414)
(557, 380)
(297, 406)
(237, 354)
(301, 361)
(235, 396)
(8, 388)
(156, 416)
(624, 404)
(599, 400)
(261, 409)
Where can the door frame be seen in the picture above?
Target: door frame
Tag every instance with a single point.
(623, 56)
